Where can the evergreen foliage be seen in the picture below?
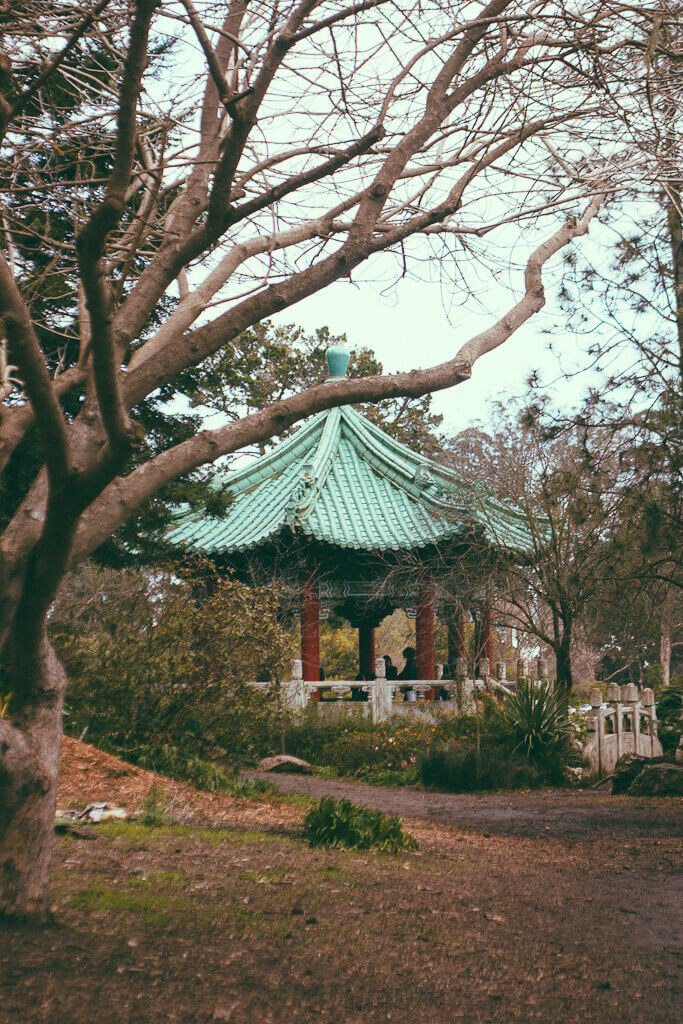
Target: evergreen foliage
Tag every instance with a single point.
(157, 666)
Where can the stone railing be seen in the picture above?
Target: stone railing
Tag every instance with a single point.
(625, 724)
(380, 698)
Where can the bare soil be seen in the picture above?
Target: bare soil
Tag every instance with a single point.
(230, 917)
(564, 814)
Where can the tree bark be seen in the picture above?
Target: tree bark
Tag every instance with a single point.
(563, 662)
(29, 766)
(665, 655)
(676, 236)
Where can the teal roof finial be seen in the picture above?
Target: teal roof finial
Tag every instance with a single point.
(337, 361)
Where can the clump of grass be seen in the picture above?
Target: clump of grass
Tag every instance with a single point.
(154, 808)
(343, 823)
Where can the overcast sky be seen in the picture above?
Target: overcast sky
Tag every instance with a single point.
(417, 323)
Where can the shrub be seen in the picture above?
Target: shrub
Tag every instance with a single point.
(456, 770)
(540, 728)
(378, 752)
(343, 823)
(669, 712)
(158, 667)
(390, 776)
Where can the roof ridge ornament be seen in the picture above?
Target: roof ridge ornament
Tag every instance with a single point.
(337, 357)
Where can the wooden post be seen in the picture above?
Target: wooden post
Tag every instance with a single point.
(424, 631)
(366, 650)
(310, 630)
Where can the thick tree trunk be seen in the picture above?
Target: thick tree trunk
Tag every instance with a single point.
(563, 663)
(29, 764)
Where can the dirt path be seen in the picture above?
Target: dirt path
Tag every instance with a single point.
(563, 814)
(561, 907)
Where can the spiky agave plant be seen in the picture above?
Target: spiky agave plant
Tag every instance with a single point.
(538, 719)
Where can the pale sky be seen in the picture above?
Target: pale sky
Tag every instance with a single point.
(410, 327)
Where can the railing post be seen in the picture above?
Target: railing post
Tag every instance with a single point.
(381, 693)
(614, 698)
(630, 696)
(599, 719)
(485, 671)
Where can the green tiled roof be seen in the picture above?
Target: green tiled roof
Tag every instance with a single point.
(343, 481)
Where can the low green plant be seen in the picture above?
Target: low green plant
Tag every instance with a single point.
(390, 776)
(540, 727)
(456, 770)
(343, 823)
(167, 759)
(154, 808)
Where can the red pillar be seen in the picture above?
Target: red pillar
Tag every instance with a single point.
(310, 629)
(366, 650)
(424, 631)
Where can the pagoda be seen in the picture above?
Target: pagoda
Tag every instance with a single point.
(339, 505)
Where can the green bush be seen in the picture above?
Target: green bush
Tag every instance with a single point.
(540, 727)
(343, 823)
(157, 669)
(177, 764)
(455, 770)
(390, 776)
(669, 711)
(387, 753)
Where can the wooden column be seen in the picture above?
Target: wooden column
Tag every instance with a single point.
(310, 629)
(424, 631)
(366, 650)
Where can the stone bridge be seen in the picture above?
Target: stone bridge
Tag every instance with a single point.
(626, 723)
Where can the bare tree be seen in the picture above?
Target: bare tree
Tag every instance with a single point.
(293, 144)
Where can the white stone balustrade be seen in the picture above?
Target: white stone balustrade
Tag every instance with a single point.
(626, 723)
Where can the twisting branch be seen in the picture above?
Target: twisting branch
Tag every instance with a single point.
(92, 239)
(8, 111)
(122, 497)
(26, 350)
(225, 94)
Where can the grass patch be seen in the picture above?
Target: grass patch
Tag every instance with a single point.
(137, 832)
(157, 900)
(390, 776)
(343, 823)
